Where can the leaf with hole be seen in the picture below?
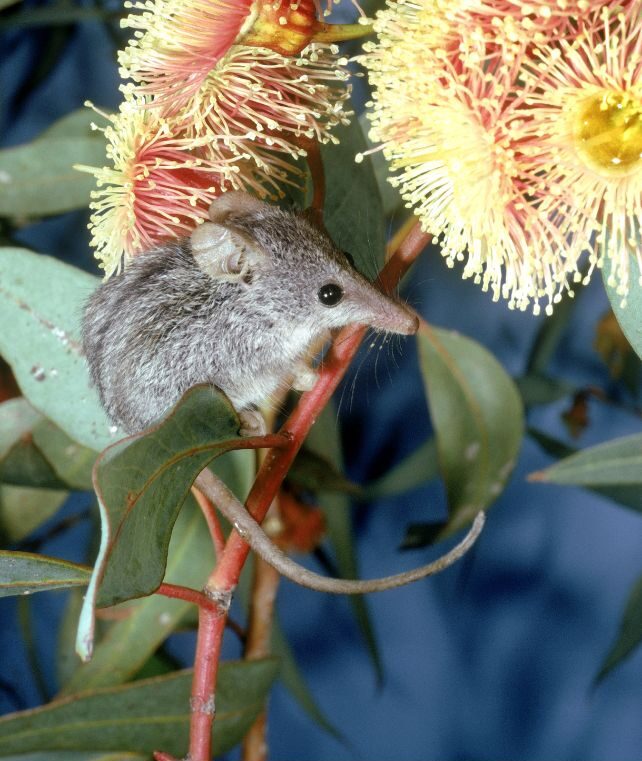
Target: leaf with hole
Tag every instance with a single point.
(478, 419)
(141, 717)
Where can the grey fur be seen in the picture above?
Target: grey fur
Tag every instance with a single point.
(165, 325)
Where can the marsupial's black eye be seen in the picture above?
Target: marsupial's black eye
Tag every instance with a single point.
(330, 294)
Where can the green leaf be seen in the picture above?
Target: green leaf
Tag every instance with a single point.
(627, 496)
(66, 658)
(353, 212)
(23, 510)
(42, 299)
(74, 124)
(148, 715)
(541, 389)
(35, 452)
(312, 471)
(28, 636)
(630, 315)
(390, 196)
(630, 634)
(71, 462)
(22, 573)
(21, 462)
(129, 643)
(413, 471)
(17, 418)
(616, 462)
(7, 3)
(38, 178)
(478, 419)
(324, 439)
(141, 483)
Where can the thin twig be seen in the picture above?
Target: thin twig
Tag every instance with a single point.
(211, 518)
(187, 594)
(264, 588)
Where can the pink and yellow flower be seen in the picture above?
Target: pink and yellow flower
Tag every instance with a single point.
(177, 44)
(502, 146)
(159, 184)
(260, 102)
(581, 132)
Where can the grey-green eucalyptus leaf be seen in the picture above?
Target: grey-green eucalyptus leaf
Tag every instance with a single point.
(42, 299)
(23, 573)
(353, 212)
(615, 463)
(38, 179)
(629, 313)
(478, 418)
(148, 715)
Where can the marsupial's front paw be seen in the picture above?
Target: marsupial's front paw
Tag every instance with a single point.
(304, 377)
(252, 423)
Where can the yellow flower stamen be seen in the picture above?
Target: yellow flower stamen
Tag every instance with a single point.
(607, 133)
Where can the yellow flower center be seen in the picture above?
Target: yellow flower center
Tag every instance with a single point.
(607, 129)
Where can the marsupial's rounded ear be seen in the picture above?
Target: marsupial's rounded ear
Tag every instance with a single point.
(235, 203)
(226, 254)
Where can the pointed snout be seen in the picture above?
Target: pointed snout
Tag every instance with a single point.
(397, 318)
(384, 313)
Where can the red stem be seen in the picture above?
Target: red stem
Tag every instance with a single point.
(211, 518)
(187, 594)
(211, 625)
(271, 474)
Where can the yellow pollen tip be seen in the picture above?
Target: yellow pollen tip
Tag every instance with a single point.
(607, 132)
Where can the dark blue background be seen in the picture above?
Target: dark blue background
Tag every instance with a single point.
(495, 658)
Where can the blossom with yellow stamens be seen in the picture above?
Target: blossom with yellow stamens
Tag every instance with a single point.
(177, 44)
(158, 186)
(260, 102)
(502, 150)
(581, 134)
(446, 128)
(508, 22)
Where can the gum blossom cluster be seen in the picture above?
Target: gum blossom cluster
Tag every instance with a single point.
(514, 130)
(220, 94)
